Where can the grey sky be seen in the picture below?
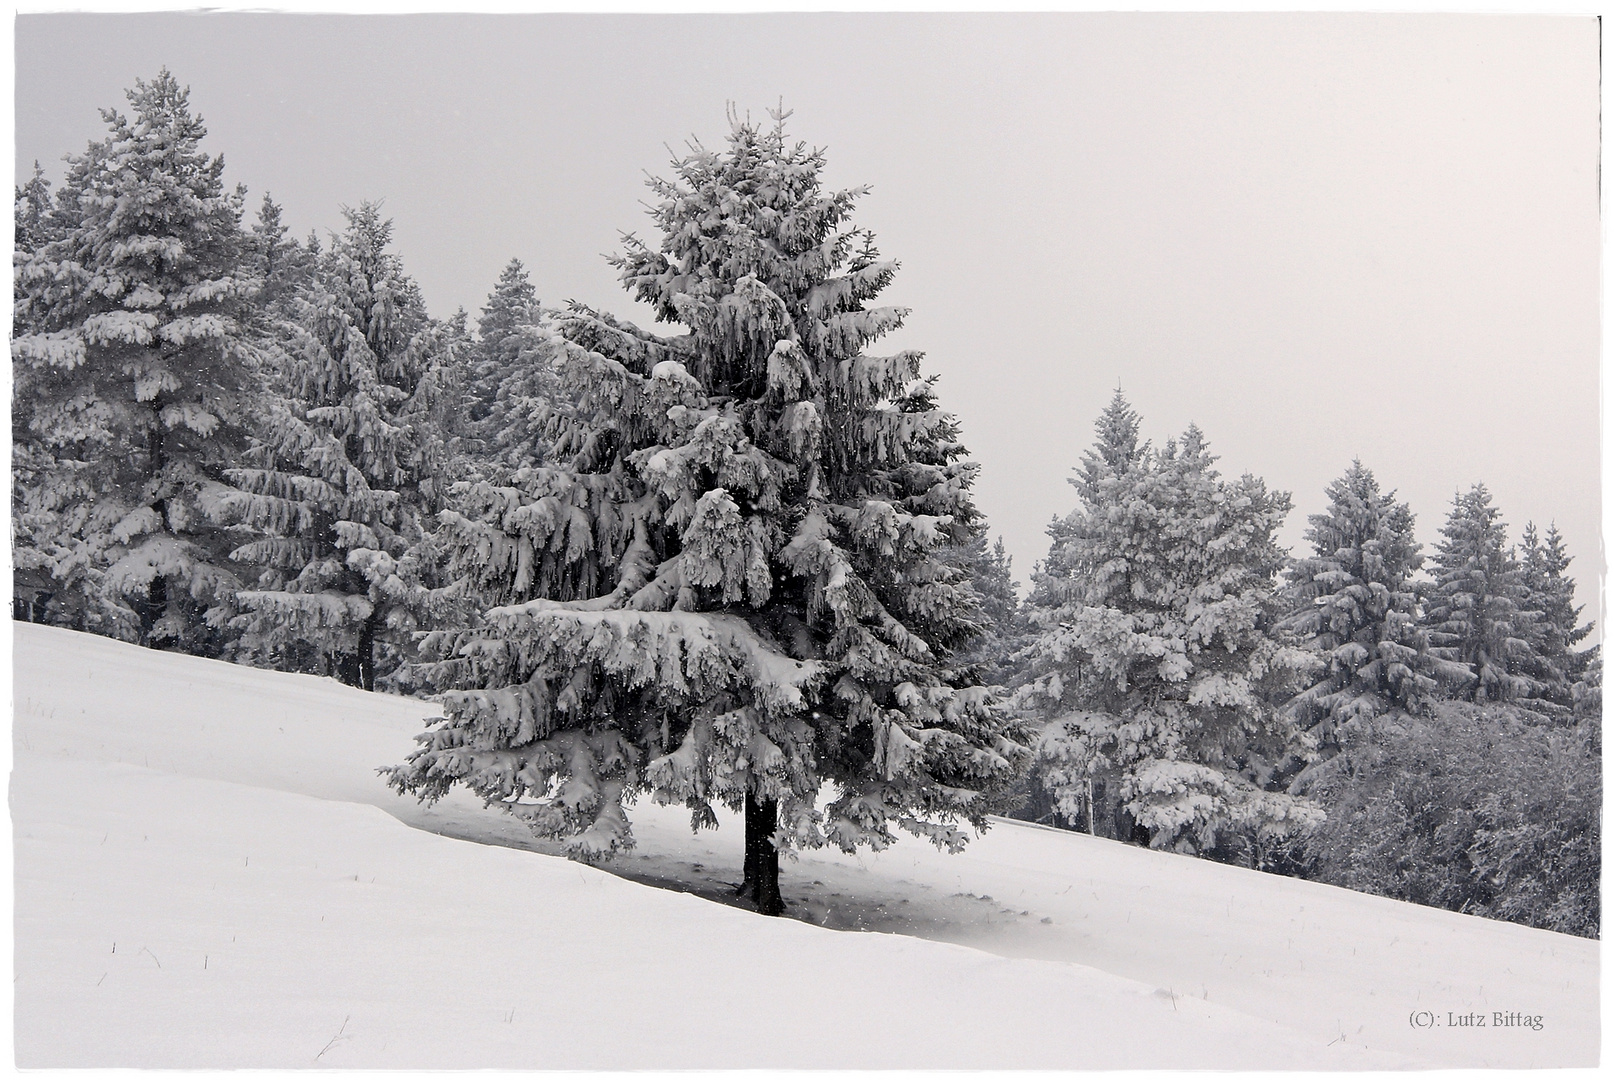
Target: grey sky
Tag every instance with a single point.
(1317, 236)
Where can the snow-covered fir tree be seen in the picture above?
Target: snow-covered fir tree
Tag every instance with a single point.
(1114, 454)
(1356, 606)
(738, 552)
(33, 218)
(32, 585)
(500, 504)
(1554, 635)
(132, 377)
(341, 488)
(514, 383)
(1478, 610)
(1157, 673)
(278, 260)
(512, 305)
(1008, 631)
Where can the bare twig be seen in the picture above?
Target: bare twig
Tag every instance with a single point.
(338, 1037)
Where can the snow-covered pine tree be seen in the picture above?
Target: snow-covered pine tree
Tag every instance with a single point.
(1555, 633)
(1355, 605)
(514, 383)
(1115, 453)
(283, 265)
(348, 470)
(737, 553)
(1478, 610)
(33, 217)
(489, 534)
(1157, 673)
(1008, 631)
(32, 581)
(132, 376)
(512, 305)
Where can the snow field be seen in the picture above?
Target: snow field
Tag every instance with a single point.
(220, 826)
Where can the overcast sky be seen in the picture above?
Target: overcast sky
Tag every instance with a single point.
(1316, 236)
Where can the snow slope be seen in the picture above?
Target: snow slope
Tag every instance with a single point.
(209, 873)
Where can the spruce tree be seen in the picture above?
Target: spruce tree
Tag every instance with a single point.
(33, 218)
(1157, 672)
(132, 378)
(1556, 632)
(283, 264)
(512, 305)
(1478, 611)
(340, 490)
(513, 381)
(1116, 452)
(738, 555)
(1356, 606)
(998, 649)
(32, 585)
(488, 534)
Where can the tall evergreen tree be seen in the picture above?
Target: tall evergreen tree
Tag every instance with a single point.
(739, 554)
(512, 305)
(338, 499)
(1356, 606)
(132, 376)
(33, 218)
(489, 534)
(514, 386)
(1478, 611)
(1008, 631)
(32, 585)
(284, 265)
(1157, 672)
(1115, 453)
(1556, 632)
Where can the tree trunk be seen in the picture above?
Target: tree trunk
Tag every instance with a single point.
(1128, 828)
(152, 609)
(1141, 835)
(347, 667)
(367, 653)
(761, 884)
(357, 668)
(156, 604)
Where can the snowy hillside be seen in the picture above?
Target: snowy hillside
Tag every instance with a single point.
(209, 873)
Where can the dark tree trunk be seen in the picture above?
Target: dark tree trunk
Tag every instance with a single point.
(761, 884)
(347, 668)
(1128, 828)
(155, 456)
(366, 664)
(157, 594)
(156, 603)
(357, 668)
(31, 608)
(1140, 834)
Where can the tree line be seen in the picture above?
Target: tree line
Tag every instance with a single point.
(740, 564)
(1357, 715)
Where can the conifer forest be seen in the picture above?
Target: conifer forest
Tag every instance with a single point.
(734, 560)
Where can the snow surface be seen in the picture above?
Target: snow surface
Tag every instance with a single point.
(209, 873)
